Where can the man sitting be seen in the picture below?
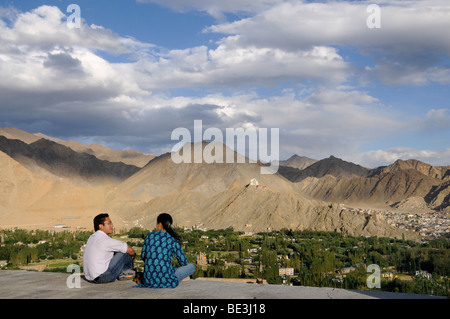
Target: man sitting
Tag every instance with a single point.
(106, 259)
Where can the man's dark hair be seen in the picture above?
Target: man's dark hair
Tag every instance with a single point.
(99, 219)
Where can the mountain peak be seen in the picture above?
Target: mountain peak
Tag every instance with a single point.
(62, 161)
(332, 166)
(298, 162)
(419, 166)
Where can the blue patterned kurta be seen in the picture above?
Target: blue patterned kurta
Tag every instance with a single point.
(157, 253)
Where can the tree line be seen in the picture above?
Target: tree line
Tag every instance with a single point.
(23, 247)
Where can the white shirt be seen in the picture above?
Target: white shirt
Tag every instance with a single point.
(99, 251)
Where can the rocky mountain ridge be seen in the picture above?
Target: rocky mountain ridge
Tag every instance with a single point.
(63, 161)
(329, 166)
(339, 181)
(299, 162)
(129, 157)
(44, 177)
(234, 195)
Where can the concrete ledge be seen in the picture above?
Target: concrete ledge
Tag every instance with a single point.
(19, 284)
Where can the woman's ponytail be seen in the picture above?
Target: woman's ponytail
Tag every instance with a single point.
(166, 221)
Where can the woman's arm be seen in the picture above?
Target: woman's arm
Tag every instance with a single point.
(179, 254)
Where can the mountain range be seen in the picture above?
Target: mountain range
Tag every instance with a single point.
(46, 181)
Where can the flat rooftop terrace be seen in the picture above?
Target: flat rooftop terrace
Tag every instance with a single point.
(20, 284)
(32, 292)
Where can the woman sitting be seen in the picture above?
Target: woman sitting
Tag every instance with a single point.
(157, 253)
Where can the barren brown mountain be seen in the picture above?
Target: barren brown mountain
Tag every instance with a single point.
(390, 185)
(37, 191)
(63, 161)
(329, 166)
(43, 183)
(39, 200)
(439, 196)
(299, 162)
(234, 195)
(184, 188)
(438, 172)
(129, 157)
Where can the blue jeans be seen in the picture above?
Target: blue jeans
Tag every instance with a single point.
(184, 271)
(119, 263)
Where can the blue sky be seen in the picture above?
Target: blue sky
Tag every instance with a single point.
(137, 69)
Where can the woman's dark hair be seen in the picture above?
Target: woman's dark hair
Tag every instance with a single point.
(166, 221)
(99, 219)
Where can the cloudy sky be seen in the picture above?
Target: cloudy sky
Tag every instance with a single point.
(337, 78)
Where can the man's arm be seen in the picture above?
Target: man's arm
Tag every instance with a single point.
(130, 251)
